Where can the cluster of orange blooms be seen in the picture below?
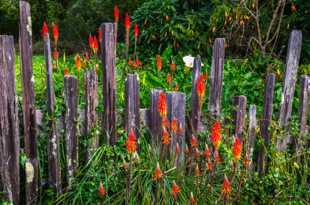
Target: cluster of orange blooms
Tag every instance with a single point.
(201, 87)
(131, 142)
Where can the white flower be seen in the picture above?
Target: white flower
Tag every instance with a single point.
(189, 61)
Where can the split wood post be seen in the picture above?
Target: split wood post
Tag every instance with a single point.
(216, 77)
(176, 109)
(195, 120)
(252, 135)
(91, 97)
(303, 113)
(291, 67)
(9, 135)
(132, 103)
(53, 141)
(71, 101)
(108, 55)
(239, 115)
(29, 111)
(266, 121)
(155, 119)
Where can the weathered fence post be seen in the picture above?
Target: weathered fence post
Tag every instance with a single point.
(176, 109)
(53, 141)
(29, 111)
(266, 121)
(239, 115)
(195, 121)
(291, 67)
(252, 134)
(108, 55)
(132, 103)
(155, 119)
(71, 101)
(9, 134)
(303, 113)
(91, 98)
(216, 77)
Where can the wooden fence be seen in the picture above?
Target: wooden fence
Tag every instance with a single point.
(9, 126)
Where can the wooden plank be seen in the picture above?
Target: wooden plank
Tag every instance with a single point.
(252, 135)
(9, 135)
(132, 103)
(216, 77)
(303, 114)
(91, 98)
(29, 116)
(239, 115)
(155, 119)
(176, 109)
(266, 121)
(195, 121)
(291, 67)
(71, 101)
(108, 55)
(53, 141)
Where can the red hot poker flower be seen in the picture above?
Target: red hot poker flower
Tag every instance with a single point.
(66, 71)
(90, 41)
(194, 142)
(158, 63)
(175, 190)
(162, 104)
(201, 89)
(157, 175)
(44, 30)
(172, 67)
(216, 134)
(116, 14)
(55, 55)
(169, 78)
(237, 149)
(226, 187)
(138, 63)
(209, 165)
(100, 35)
(165, 122)
(166, 138)
(78, 62)
(95, 45)
(127, 22)
(55, 33)
(174, 125)
(136, 30)
(101, 191)
(131, 142)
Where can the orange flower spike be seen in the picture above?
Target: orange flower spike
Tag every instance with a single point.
(216, 134)
(55, 33)
(172, 67)
(55, 55)
(78, 62)
(116, 14)
(130, 62)
(158, 174)
(100, 37)
(95, 45)
(138, 62)
(169, 78)
(162, 104)
(197, 171)
(136, 30)
(226, 187)
(159, 64)
(131, 142)
(101, 191)
(91, 41)
(193, 199)
(201, 89)
(237, 149)
(194, 142)
(166, 138)
(165, 122)
(175, 190)
(207, 152)
(209, 165)
(174, 125)
(66, 71)
(127, 22)
(44, 30)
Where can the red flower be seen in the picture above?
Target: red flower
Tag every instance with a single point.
(138, 63)
(201, 89)
(217, 157)
(116, 14)
(55, 32)
(165, 122)
(166, 138)
(174, 125)
(158, 63)
(172, 67)
(127, 22)
(246, 161)
(162, 104)
(100, 35)
(91, 41)
(226, 187)
(44, 30)
(95, 45)
(169, 78)
(194, 142)
(101, 191)
(136, 30)
(175, 190)
(209, 165)
(78, 62)
(55, 55)
(157, 175)
(193, 199)
(66, 71)
(207, 152)
(216, 134)
(131, 142)
(130, 62)
(237, 149)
